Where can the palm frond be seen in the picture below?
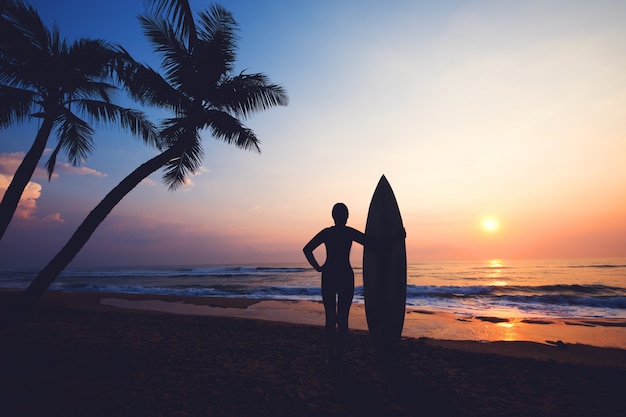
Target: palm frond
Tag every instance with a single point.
(216, 20)
(216, 50)
(13, 76)
(179, 11)
(189, 160)
(94, 58)
(57, 44)
(16, 104)
(75, 138)
(219, 29)
(172, 130)
(25, 27)
(52, 160)
(83, 88)
(249, 93)
(148, 87)
(85, 69)
(134, 120)
(23, 46)
(175, 57)
(212, 61)
(230, 130)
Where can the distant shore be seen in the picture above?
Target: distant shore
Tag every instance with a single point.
(79, 356)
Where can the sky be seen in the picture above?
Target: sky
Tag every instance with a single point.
(473, 110)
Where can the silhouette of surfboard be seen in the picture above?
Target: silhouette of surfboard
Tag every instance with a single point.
(384, 271)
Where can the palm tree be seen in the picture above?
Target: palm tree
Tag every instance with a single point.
(43, 77)
(201, 90)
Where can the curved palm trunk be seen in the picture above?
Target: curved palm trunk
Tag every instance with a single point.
(23, 175)
(21, 311)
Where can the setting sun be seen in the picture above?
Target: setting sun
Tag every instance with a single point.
(490, 224)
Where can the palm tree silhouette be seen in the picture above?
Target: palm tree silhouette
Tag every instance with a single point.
(45, 78)
(201, 90)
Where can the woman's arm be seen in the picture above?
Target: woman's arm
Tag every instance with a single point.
(376, 242)
(308, 249)
(360, 237)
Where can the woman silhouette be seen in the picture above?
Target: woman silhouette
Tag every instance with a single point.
(337, 277)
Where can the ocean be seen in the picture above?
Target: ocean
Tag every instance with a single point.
(584, 288)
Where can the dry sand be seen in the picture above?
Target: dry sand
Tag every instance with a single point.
(78, 357)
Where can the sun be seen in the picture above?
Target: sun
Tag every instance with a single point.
(490, 224)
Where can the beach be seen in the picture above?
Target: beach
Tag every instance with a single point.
(80, 357)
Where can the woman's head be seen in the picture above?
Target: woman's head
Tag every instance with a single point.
(340, 213)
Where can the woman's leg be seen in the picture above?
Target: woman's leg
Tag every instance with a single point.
(345, 296)
(329, 299)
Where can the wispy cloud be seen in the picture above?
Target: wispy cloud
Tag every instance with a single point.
(69, 169)
(10, 161)
(188, 184)
(150, 182)
(54, 217)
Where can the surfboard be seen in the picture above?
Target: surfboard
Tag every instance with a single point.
(384, 271)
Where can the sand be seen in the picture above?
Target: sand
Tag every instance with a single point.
(79, 357)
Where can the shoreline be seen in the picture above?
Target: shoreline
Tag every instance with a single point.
(583, 340)
(419, 322)
(80, 357)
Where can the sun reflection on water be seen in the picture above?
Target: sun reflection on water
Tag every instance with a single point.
(509, 332)
(496, 263)
(495, 273)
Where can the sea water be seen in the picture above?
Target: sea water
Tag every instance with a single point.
(583, 288)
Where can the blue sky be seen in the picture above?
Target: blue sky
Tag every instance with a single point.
(509, 109)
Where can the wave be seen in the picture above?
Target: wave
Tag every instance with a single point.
(598, 296)
(597, 266)
(224, 290)
(225, 272)
(447, 291)
(490, 267)
(497, 289)
(618, 302)
(593, 289)
(523, 297)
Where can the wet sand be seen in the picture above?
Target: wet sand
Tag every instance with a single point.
(418, 322)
